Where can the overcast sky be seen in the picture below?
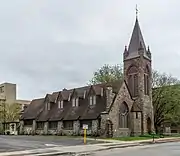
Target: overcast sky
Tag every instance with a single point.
(47, 45)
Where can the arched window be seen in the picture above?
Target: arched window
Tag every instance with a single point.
(133, 81)
(146, 81)
(123, 115)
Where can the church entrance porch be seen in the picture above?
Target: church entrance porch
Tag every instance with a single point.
(149, 125)
(109, 129)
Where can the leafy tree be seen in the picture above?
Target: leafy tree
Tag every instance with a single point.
(107, 73)
(12, 112)
(9, 112)
(166, 99)
(165, 93)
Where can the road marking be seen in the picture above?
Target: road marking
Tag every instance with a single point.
(50, 145)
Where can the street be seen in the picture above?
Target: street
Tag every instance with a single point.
(165, 149)
(17, 143)
(67, 144)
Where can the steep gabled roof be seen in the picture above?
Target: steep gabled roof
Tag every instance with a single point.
(136, 39)
(69, 112)
(136, 43)
(33, 109)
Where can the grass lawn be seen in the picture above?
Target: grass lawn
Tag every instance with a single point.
(144, 137)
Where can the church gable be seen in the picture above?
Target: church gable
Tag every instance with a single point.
(122, 96)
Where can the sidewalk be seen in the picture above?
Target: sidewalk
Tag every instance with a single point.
(80, 149)
(68, 150)
(137, 141)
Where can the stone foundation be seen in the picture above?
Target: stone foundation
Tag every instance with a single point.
(60, 131)
(27, 130)
(121, 132)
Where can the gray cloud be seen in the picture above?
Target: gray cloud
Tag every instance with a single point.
(48, 45)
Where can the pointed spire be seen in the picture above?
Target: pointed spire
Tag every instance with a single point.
(136, 38)
(125, 49)
(125, 52)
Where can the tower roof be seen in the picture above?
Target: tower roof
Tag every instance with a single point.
(136, 39)
(136, 42)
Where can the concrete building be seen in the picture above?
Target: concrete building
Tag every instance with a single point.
(9, 103)
(8, 93)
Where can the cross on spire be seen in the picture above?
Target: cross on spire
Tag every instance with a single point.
(136, 11)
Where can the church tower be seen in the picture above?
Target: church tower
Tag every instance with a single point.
(138, 77)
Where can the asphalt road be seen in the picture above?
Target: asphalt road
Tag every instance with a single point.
(16, 143)
(165, 149)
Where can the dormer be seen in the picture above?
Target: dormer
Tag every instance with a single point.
(92, 96)
(48, 106)
(74, 99)
(48, 102)
(75, 102)
(92, 100)
(60, 104)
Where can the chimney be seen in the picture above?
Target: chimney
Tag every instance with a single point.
(109, 97)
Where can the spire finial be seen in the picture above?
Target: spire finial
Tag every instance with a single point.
(136, 11)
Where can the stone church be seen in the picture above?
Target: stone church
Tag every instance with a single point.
(115, 109)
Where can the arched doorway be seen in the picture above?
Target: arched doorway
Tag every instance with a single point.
(149, 125)
(109, 129)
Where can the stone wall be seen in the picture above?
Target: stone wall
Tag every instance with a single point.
(68, 132)
(60, 128)
(95, 127)
(123, 96)
(109, 97)
(144, 101)
(21, 130)
(60, 131)
(121, 132)
(27, 130)
(34, 127)
(52, 131)
(76, 127)
(136, 123)
(104, 118)
(46, 128)
(39, 131)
